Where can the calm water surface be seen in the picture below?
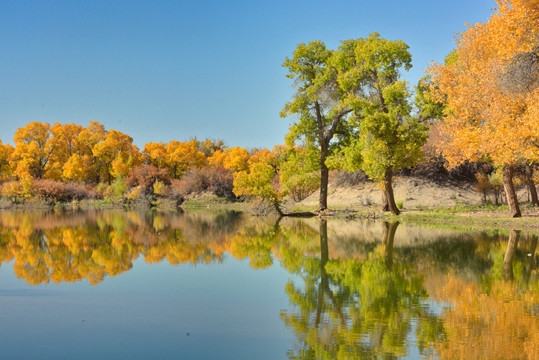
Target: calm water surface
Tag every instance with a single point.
(224, 285)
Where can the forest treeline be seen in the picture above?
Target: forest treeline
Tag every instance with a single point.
(350, 111)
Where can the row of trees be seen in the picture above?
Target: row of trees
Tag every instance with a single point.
(45, 157)
(93, 154)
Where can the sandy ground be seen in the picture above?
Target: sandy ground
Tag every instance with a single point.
(414, 193)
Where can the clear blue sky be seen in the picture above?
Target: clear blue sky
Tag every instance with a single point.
(165, 70)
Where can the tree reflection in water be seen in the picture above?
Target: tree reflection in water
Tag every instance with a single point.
(359, 309)
(67, 247)
(365, 295)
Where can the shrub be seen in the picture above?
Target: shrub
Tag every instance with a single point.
(216, 180)
(117, 190)
(146, 176)
(12, 190)
(496, 185)
(176, 191)
(51, 190)
(135, 193)
(483, 185)
(159, 188)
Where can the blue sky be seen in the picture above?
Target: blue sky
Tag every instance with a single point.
(172, 70)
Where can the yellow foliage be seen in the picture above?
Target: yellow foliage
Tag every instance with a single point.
(237, 159)
(217, 159)
(5, 154)
(483, 116)
(134, 193)
(498, 325)
(182, 155)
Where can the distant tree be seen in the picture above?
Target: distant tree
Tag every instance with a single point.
(32, 150)
(5, 154)
(64, 143)
(115, 155)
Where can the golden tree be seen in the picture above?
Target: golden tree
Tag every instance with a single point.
(32, 150)
(5, 153)
(490, 86)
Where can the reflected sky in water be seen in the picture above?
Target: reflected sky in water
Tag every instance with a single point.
(224, 285)
(208, 311)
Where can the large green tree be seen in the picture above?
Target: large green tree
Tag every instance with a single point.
(387, 133)
(351, 98)
(321, 103)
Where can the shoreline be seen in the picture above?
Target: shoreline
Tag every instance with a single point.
(473, 220)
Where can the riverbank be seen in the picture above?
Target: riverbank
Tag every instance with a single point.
(421, 201)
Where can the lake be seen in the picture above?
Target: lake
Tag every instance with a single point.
(217, 284)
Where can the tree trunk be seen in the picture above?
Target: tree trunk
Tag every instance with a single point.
(510, 192)
(388, 191)
(324, 179)
(277, 206)
(281, 213)
(510, 255)
(530, 261)
(387, 241)
(324, 280)
(528, 173)
(385, 204)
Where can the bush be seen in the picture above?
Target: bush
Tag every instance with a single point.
(216, 180)
(117, 190)
(146, 176)
(13, 190)
(51, 190)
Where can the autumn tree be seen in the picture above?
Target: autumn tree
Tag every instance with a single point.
(181, 156)
(155, 154)
(115, 155)
(492, 104)
(5, 154)
(64, 144)
(82, 165)
(32, 150)
(259, 180)
(208, 147)
(175, 156)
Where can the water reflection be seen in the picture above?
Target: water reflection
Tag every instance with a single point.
(361, 290)
(360, 309)
(71, 246)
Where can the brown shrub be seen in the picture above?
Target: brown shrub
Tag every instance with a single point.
(146, 176)
(216, 180)
(51, 190)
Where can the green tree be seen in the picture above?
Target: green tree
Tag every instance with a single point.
(387, 135)
(320, 102)
(299, 171)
